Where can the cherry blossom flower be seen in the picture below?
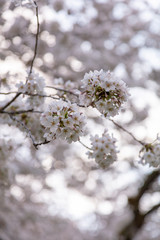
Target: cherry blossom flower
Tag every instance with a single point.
(63, 120)
(103, 91)
(103, 150)
(151, 154)
(34, 84)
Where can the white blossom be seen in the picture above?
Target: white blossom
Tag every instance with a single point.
(34, 85)
(103, 150)
(63, 120)
(103, 91)
(151, 155)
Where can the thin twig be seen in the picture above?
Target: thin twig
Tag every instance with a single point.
(41, 95)
(36, 42)
(41, 143)
(125, 130)
(21, 112)
(84, 145)
(29, 133)
(155, 207)
(11, 101)
(32, 95)
(29, 94)
(27, 130)
(63, 90)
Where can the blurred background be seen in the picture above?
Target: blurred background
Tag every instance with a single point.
(57, 192)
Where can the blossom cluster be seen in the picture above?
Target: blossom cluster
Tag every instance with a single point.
(34, 84)
(151, 155)
(63, 120)
(103, 149)
(103, 91)
(27, 3)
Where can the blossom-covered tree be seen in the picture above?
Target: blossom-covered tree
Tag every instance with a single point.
(79, 143)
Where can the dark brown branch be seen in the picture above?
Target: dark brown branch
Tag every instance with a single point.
(147, 183)
(132, 228)
(41, 143)
(154, 208)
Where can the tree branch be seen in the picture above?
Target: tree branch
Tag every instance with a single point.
(63, 90)
(137, 222)
(36, 42)
(21, 112)
(84, 145)
(125, 130)
(27, 130)
(155, 207)
(147, 183)
(41, 143)
(41, 95)
(11, 101)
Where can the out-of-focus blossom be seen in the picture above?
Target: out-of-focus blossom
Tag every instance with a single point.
(7, 150)
(58, 81)
(27, 3)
